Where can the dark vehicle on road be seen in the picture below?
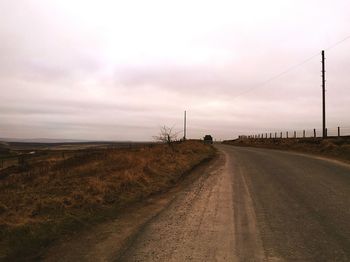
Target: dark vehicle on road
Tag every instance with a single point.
(208, 139)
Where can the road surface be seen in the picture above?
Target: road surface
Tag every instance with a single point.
(263, 205)
(250, 205)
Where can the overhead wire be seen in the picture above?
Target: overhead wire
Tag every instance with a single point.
(337, 43)
(260, 85)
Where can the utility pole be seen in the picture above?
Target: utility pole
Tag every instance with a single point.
(185, 125)
(324, 133)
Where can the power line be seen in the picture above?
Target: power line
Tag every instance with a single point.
(277, 76)
(290, 69)
(337, 43)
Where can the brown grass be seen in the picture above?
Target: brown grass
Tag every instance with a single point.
(54, 194)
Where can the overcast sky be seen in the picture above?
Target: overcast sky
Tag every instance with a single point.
(118, 70)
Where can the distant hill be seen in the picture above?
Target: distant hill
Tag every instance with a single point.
(4, 147)
(42, 140)
(3, 144)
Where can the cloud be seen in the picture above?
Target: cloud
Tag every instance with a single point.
(119, 70)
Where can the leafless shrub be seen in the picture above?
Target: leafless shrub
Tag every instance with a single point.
(166, 135)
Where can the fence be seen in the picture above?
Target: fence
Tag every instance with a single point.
(306, 133)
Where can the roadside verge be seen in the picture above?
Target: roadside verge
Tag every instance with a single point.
(335, 148)
(57, 198)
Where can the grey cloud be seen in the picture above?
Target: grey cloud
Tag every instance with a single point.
(61, 77)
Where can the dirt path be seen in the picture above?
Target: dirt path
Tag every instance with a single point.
(198, 225)
(248, 205)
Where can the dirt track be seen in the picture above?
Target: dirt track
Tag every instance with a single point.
(250, 205)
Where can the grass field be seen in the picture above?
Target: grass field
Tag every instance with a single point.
(57, 192)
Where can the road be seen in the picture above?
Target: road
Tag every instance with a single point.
(249, 205)
(262, 205)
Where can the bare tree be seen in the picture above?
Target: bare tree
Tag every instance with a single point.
(166, 135)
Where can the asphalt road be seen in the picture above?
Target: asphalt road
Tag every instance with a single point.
(257, 205)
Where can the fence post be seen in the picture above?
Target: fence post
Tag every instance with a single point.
(281, 135)
(326, 131)
(338, 130)
(287, 134)
(303, 133)
(314, 133)
(275, 134)
(295, 134)
(270, 135)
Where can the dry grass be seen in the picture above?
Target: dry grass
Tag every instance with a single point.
(38, 203)
(338, 148)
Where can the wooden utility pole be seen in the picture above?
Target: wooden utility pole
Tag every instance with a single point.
(185, 125)
(324, 134)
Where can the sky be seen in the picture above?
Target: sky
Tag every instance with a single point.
(119, 70)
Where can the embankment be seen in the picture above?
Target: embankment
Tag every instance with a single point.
(54, 197)
(337, 148)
